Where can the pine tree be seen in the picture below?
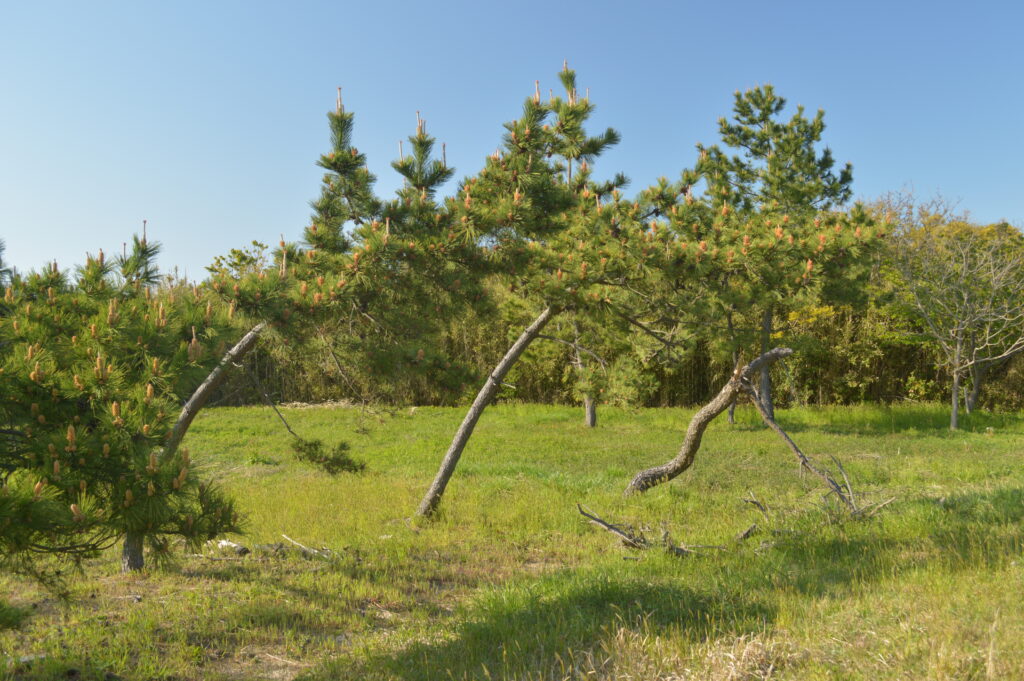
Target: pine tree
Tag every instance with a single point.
(777, 185)
(367, 269)
(668, 263)
(94, 368)
(534, 210)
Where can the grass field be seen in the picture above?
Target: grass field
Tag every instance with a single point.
(511, 583)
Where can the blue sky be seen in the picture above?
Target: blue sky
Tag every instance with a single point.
(206, 118)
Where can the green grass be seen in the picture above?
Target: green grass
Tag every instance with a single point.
(510, 582)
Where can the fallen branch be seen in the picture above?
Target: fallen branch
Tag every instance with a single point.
(871, 509)
(842, 471)
(639, 541)
(322, 552)
(753, 501)
(628, 538)
(747, 533)
(844, 496)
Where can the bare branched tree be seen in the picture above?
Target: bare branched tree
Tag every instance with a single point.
(966, 284)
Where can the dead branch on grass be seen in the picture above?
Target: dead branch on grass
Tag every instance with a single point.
(636, 540)
(633, 541)
(322, 552)
(754, 502)
(747, 533)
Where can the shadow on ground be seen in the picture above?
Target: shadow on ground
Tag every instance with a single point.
(533, 630)
(928, 419)
(509, 634)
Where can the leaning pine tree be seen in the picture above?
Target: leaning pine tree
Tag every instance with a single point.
(669, 263)
(95, 367)
(356, 287)
(534, 211)
(729, 251)
(370, 267)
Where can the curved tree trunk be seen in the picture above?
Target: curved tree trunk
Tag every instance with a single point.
(206, 388)
(131, 554)
(644, 480)
(740, 382)
(483, 398)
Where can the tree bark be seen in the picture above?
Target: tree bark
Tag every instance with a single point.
(589, 405)
(206, 388)
(954, 415)
(735, 363)
(131, 554)
(735, 360)
(766, 377)
(646, 479)
(483, 398)
(590, 411)
(978, 372)
(956, 369)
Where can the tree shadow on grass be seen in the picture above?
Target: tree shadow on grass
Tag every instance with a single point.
(925, 419)
(536, 630)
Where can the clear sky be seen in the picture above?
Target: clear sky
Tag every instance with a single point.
(206, 118)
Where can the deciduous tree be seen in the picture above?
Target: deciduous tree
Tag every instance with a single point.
(965, 282)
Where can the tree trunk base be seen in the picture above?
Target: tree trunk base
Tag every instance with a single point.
(131, 554)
